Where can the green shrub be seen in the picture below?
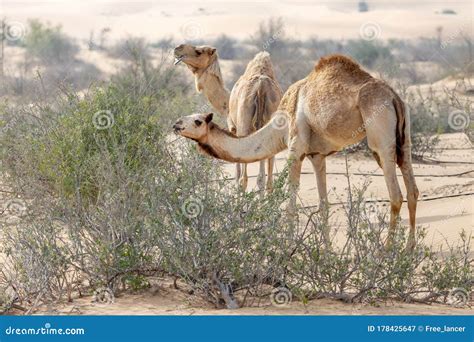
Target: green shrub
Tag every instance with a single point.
(368, 53)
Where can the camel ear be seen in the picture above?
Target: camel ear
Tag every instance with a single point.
(209, 50)
(208, 117)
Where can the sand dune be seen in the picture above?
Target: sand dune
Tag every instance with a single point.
(206, 19)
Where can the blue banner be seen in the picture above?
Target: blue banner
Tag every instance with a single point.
(237, 328)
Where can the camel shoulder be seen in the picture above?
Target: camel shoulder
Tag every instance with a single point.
(289, 100)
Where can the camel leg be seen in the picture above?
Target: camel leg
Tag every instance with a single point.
(243, 181)
(295, 160)
(261, 177)
(412, 197)
(381, 124)
(295, 165)
(270, 163)
(409, 179)
(396, 198)
(238, 173)
(319, 166)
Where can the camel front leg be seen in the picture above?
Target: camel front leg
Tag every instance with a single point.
(295, 161)
(243, 181)
(294, 183)
(261, 177)
(319, 166)
(238, 173)
(270, 163)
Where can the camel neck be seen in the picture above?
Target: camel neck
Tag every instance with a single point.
(218, 96)
(210, 82)
(263, 144)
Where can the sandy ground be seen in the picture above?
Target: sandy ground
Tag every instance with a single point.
(444, 217)
(164, 299)
(206, 19)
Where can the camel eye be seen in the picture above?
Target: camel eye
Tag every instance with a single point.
(198, 122)
(198, 52)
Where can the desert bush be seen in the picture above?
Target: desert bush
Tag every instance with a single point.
(226, 46)
(363, 269)
(130, 48)
(368, 53)
(110, 198)
(286, 54)
(49, 44)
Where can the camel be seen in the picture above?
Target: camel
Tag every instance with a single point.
(336, 105)
(253, 99)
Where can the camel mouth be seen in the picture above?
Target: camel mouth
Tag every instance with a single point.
(178, 59)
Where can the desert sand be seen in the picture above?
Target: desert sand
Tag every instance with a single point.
(163, 299)
(205, 19)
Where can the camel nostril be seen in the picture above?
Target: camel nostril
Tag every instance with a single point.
(177, 126)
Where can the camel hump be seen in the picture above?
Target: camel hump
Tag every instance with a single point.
(261, 64)
(340, 62)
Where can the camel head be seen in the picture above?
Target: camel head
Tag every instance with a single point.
(195, 57)
(195, 126)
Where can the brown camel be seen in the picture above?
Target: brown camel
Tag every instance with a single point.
(336, 105)
(253, 99)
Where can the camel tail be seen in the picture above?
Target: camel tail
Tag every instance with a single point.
(400, 138)
(260, 116)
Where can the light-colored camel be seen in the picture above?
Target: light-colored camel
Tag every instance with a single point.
(254, 97)
(336, 105)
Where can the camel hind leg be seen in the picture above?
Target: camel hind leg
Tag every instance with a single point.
(396, 198)
(409, 178)
(381, 123)
(412, 198)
